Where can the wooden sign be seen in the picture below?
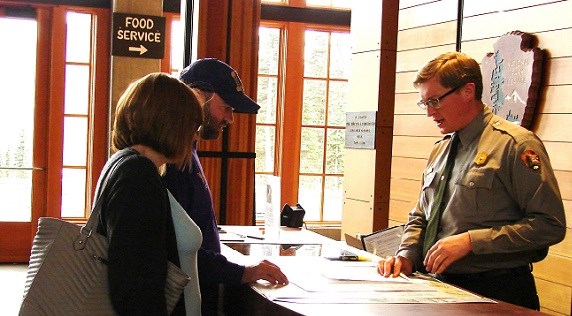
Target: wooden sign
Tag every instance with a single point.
(511, 77)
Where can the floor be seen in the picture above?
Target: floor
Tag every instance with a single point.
(13, 278)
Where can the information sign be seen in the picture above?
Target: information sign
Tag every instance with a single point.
(140, 36)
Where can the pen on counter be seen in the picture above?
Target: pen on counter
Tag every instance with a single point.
(348, 258)
(250, 236)
(404, 276)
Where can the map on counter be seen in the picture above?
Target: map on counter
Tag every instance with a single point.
(309, 284)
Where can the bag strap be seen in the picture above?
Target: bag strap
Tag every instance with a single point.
(89, 227)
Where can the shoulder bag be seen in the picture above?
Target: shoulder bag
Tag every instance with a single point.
(67, 273)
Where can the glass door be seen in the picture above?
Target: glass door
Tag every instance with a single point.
(18, 64)
(19, 33)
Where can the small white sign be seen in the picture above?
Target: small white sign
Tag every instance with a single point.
(272, 211)
(360, 130)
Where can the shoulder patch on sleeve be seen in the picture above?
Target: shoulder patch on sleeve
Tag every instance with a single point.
(530, 159)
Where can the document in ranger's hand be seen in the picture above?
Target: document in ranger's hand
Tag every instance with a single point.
(383, 242)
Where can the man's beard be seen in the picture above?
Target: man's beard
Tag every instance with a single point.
(211, 127)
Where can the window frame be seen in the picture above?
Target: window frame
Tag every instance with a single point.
(289, 117)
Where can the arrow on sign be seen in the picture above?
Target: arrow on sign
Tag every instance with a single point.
(141, 49)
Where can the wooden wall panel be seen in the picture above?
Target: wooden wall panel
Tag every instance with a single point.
(413, 60)
(399, 210)
(366, 30)
(549, 127)
(494, 6)
(407, 168)
(413, 146)
(404, 81)
(525, 19)
(553, 268)
(434, 35)
(408, 103)
(405, 4)
(558, 71)
(361, 186)
(356, 215)
(552, 42)
(423, 13)
(565, 183)
(405, 190)
(364, 96)
(564, 248)
(557, 154)
(556, 99)
(554, 297)
(415, 125)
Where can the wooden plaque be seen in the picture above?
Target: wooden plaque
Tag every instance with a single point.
(511, 77)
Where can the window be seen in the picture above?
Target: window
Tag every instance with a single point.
(78, 104)
(172, 61)
(300, 126)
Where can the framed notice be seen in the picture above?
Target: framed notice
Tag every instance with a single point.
(360, 130)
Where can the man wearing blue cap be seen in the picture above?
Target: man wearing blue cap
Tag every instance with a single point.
(220, 90)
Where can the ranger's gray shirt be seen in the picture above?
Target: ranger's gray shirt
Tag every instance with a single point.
(502, 191)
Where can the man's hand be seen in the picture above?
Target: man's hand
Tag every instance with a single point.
(393, 266)
(446, 251)
(265, 270)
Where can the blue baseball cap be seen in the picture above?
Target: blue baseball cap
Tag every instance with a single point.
(213, 75)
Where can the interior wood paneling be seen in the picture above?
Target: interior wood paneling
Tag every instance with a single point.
(478, 49)
(553, 296)
(549, 127)
(364, 92)
(494, 6)
(392, 223)
(399, 210)
(558, 152)
(404, 4)
(361, 185)
(555, 99)
(525, 19)
(356, 215)
(366, 31)
(433, 35)
(558, 71)
(404, 81)
(552, 42)
(413, 147)
(553, 268)
(407, 168)
(413, 60)
(407, 103)
(564, 248)
(427, 13)
(565, 183)
(405, 190)
(413, 125)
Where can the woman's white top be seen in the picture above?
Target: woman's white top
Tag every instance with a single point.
(189, 240)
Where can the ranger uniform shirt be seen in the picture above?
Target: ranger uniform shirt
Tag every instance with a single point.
(502, 190)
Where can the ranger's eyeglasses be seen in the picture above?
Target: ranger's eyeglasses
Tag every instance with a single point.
(435, 103)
